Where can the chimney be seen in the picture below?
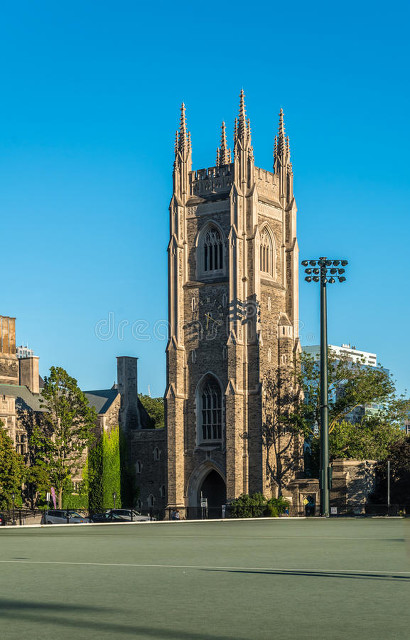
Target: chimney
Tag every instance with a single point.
(127, 379)
(29, 373)
(9, 369)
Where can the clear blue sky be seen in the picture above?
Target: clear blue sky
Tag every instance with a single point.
(89, 107)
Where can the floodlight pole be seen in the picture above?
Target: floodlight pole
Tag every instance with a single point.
(324, 392)
(324, 271)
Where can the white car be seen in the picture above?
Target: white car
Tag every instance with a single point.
(59, 516)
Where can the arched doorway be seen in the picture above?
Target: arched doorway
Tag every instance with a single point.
(213, 488)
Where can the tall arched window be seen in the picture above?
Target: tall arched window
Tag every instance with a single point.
(267, 253)
(210, 415)
(212, 250)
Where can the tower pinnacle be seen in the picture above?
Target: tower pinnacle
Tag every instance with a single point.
(281, 149)
(242, 116)
(281, 134)
(223, 153)
(182, 130)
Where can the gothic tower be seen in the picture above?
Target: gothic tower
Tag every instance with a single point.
(233, 313)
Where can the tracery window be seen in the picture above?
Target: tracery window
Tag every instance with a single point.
(267, 256)
(212, 250)
(211, 410)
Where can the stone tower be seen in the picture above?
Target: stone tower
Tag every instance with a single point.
(233, 312)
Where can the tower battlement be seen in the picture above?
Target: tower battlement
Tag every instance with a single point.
(211, 180)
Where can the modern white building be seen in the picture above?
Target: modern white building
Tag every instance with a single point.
(353, 354)
(24, 352)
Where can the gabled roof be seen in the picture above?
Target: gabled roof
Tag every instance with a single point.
(101, 399)
(25, 399)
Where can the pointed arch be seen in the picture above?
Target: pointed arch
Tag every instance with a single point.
(209, 410)
(197, 478)
(267, 251)
(210, 251)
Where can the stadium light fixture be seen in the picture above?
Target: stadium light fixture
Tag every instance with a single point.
(326, 273)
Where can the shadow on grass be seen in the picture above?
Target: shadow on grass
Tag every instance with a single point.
(64, 616)
(320, 574)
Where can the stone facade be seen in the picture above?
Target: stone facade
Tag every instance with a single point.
(353, 481)
(233, 313)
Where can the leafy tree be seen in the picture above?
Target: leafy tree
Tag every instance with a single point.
(399, 456)
(12, 469)
(352, 386)
(284, 426)
(67, 428)
(155, 409)
(37, 480)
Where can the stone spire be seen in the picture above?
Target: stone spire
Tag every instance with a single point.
(183, 157)
(281, 134)
(281, 151)
(242, 128)
(223, 154)
(182, 138)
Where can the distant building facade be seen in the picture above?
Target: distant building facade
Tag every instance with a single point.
(356, 356)
(20, 402)
(347, 351)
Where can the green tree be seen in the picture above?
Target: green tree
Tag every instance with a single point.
(352, 432)
(12, 470)
(283, 426)
(155, 409)
(67, 428)
(399, 456)
(37, 480)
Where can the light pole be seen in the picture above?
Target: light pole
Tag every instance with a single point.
(324, 271)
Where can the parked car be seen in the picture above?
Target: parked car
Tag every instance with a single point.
(2, 520)
(119, 515)
(59, 516)
(104, 517)
(127, 515)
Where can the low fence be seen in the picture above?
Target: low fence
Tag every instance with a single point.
(18, 517)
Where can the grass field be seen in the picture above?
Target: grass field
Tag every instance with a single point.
(213, 580)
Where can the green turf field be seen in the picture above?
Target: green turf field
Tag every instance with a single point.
(193, 581)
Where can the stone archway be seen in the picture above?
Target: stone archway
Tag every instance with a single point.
(213, 488)
(210, 477)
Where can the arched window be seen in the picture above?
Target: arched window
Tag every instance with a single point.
(157, 453)
(210, 399)
(267, 254)
(212, 250)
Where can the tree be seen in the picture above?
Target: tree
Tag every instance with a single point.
(155, 409)
(399, 456)
(353, 433)
(37, 478)
(12, 470)
(67, 429)
(283, 426)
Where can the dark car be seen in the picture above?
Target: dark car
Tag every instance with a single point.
(119, 515)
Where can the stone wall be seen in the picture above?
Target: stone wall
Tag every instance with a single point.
(148, 449)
